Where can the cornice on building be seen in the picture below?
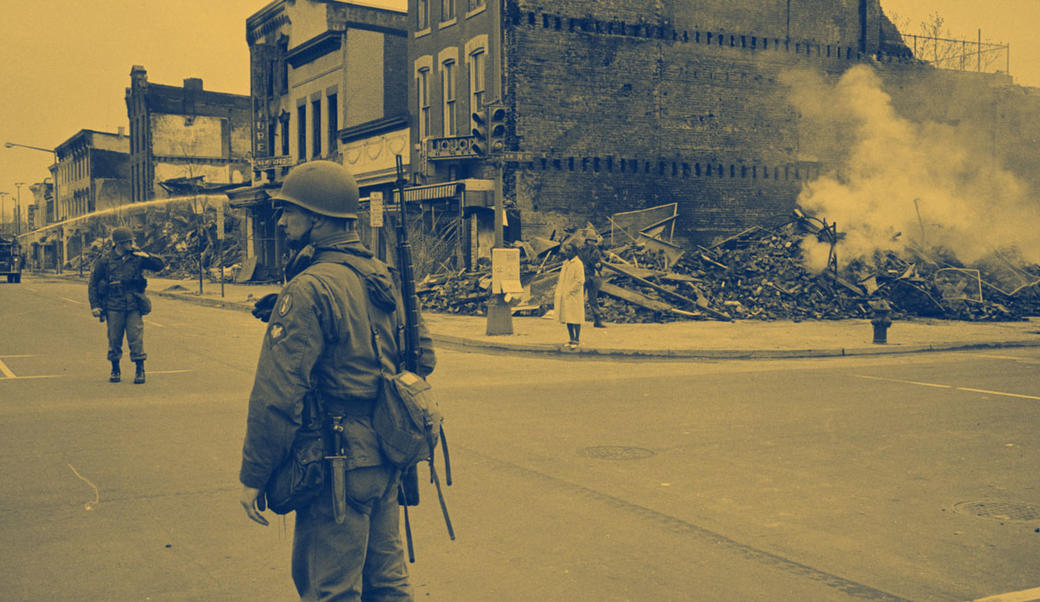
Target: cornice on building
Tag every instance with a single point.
(266, 21)
(372, 128)
(314, 48)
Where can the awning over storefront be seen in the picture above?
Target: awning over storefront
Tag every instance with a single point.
(251, 196)
(431, 192)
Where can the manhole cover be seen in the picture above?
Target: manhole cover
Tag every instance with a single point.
(616, 452)
(999, 510)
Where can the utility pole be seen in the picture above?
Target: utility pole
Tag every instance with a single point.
(499, 314)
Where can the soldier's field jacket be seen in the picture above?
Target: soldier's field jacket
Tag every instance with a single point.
(318, 345)
(117, 283)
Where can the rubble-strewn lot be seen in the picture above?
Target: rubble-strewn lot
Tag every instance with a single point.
(759, 274)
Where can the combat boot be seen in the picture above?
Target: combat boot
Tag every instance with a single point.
(114, 377)
(139, 377)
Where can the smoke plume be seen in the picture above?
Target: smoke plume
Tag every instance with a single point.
(893, 182)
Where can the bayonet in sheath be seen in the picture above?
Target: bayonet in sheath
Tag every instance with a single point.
(338, 466)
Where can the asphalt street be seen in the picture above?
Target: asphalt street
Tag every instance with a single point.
(879, 477)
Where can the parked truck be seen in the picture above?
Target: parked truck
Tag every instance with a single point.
(10, 259)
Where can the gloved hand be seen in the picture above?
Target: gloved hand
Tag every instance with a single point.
(262, 309)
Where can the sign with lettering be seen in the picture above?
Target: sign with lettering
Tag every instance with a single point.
(375, 210)
(505, 271)
(262, 163)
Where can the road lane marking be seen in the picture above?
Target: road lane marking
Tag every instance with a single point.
(6, 371)
(941, 386)
(1024, 360)
(997, 393)
(909, 382)
(7, 356)
(1026, 595)
(154, 323)
(73, 301)
(31, 377)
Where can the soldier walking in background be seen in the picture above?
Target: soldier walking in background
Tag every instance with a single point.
(116, 292)
(592, 258)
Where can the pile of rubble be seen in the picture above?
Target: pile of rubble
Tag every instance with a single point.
(759, 274)
(182, 238)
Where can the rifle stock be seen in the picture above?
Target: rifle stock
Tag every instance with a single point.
(412, 350)
(410, 359)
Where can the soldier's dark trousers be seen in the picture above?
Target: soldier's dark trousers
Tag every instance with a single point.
(592, 288)
(130, 324)
(361, 559)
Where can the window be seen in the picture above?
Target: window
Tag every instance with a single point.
(333, 121)
(301, 132)
(284, 118)
(316, 125)
(422, 89)
(477, 64)
(475, 4)
(448, 89)
(272, 129)
(422, 15)
(447, 10)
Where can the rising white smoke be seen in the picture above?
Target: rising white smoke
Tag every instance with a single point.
(895, 182)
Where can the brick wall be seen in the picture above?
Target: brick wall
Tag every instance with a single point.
(627, 106)
(636, 110)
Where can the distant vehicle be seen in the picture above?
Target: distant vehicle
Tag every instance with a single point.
(10, 259)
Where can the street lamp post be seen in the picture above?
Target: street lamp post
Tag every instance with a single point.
(18, 209)
(57, 202)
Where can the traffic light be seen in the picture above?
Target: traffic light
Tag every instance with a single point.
(496, 130)
(481, 141)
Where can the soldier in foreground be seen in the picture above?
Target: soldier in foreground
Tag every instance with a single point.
(318, 371)
(116, 292)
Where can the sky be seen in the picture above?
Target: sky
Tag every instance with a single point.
(66, 64)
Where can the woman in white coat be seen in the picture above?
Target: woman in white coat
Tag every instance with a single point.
(569, 299)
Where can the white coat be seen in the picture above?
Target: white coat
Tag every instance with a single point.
(569, 299)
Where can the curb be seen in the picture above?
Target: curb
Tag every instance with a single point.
(463, 344)
(468, 344)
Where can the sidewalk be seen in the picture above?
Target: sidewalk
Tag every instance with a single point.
(742, 339)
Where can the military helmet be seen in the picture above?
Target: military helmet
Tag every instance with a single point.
(322, 187)
(121, 235)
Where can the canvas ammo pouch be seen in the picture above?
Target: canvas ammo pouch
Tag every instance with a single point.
(299, 479)
(297, 482)
(406, 418)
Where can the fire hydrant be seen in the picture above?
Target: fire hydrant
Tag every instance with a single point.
(882, 311)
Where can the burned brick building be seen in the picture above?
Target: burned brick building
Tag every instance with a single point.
(184, 132)
(621, 105)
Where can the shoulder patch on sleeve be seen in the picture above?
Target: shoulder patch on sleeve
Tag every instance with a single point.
(285, 305)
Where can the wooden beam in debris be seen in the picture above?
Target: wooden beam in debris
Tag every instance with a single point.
(642, 300)
(699, 303)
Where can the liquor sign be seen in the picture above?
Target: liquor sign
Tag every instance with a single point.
(451, 148)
